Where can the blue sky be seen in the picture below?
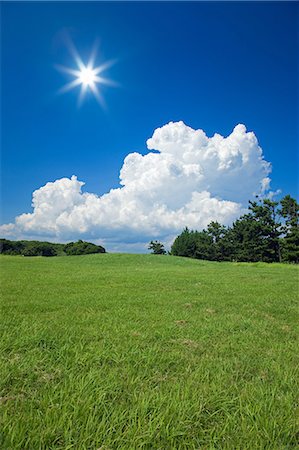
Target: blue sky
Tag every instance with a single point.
(211, 65)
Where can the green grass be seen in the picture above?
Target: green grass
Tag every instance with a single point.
(148, 352)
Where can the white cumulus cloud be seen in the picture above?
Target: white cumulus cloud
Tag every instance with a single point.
(189, 180)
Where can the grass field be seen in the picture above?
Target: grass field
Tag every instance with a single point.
(148, 352)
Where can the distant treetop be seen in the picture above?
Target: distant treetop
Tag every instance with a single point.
(157, 248)
(37, 248)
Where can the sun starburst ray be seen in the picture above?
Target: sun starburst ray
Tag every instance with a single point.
(74, 53)
(68, 70)
(93, 54)
(69, 86)
(87, 75)
(82, 93)
(105, 66)
(98, 96)
(106, 81)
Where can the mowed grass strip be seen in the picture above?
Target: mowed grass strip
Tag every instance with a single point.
(148, 352)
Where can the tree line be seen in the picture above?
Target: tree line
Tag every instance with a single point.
(37, 248)
(268, 232)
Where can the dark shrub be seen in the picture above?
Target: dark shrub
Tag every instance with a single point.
(82, 248)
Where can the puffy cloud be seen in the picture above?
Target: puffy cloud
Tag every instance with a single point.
(189, 180)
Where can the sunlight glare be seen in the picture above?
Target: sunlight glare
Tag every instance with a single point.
(86, 75)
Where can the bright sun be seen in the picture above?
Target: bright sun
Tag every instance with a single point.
(86, 76)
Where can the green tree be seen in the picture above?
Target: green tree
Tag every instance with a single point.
(157, 248)
(184, 244)
(35, 248)
(46, 249)
(220, 249)
(244, 239)
(265, 214)
(289, 209)
(82, 248)
(193, 244)
(255, 236)
(205, 248)
(11, 247)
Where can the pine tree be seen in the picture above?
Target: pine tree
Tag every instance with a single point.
(255, 236)
(219, 244)
(157, 248)
(290, 242)
(184, 244)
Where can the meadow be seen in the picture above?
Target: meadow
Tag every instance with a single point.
(116, 351)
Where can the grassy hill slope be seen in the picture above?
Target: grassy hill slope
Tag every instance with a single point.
(147, 352)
